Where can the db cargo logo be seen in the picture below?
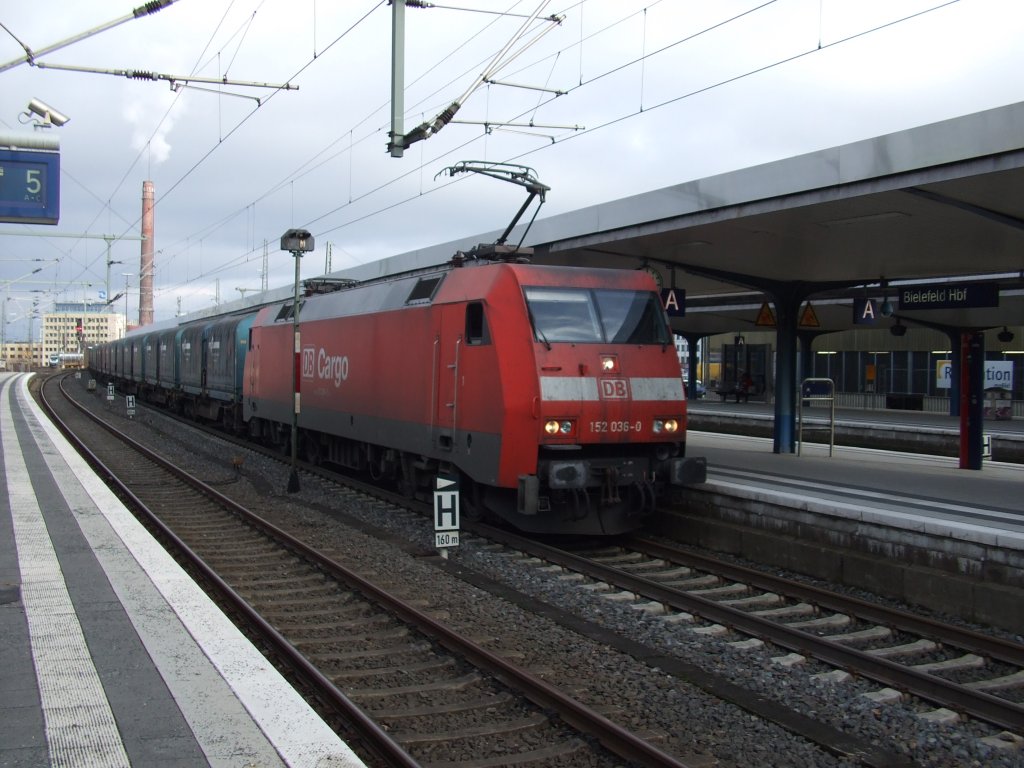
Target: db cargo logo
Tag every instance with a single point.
(614, 389)
(308, 362)
(318, 364)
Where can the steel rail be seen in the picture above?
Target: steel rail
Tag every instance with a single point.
(978, 704)
(993, 647)
(619, 740)
(376, 737)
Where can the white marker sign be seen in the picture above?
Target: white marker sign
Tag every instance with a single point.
(446, 512)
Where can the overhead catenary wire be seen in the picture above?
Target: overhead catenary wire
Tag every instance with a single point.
(634, 113)
(584, 83)
(311, 163)
(243, 121)
(504, 57)
(307, 167)
(106, 205)
(31, 56)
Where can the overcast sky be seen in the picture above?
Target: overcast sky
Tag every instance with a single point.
(653, 94)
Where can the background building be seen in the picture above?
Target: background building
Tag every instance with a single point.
(20, 355)
(70, 329)
(74, 326)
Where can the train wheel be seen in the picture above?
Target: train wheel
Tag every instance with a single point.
(280, 438)
(312, 449)
(375, 464)
(580, 504)
(472, 507)
(642, 498)
(406, 481)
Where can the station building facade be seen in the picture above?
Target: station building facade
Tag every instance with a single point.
(74, 326)
(20, 355)
(70, 329)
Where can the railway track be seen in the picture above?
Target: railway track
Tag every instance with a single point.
(799, 720)
(414, 690)
(961, 673)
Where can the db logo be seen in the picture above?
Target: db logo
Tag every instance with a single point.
(308, 362)
(614, 389)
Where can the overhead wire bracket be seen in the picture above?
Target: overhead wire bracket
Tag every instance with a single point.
(399, 139)
(492, 125)
(31, 56)
(174, 80)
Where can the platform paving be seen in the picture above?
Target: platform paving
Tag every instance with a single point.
(110, 654)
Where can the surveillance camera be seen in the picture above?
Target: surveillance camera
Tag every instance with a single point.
(48, 113)
(887, 308)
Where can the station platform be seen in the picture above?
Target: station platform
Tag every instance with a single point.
(902, 486)
(912, 526)
(111, 655)
(760, 408)
(899, 430)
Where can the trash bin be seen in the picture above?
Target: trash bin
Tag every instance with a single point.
(904, 402)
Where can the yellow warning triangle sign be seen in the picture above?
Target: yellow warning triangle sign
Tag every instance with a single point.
(809, 318)
(765, 316)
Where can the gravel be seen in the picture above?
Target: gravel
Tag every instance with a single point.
(685, 720)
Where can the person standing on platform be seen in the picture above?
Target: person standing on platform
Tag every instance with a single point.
(743, 387)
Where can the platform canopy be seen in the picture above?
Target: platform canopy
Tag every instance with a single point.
(937, 205)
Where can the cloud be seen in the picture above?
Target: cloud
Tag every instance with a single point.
(152, 115)
(230, 175)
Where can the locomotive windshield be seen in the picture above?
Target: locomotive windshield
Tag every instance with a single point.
(582, 315)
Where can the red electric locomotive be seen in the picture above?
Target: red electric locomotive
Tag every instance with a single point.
(554, 393)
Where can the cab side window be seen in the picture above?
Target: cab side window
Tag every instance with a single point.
(477, 332)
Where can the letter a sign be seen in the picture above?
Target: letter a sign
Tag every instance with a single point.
(674, 301)
(865, 312)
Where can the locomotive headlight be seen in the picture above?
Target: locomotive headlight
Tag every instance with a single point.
(668, 426)
(609, 364)
(558, 427)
